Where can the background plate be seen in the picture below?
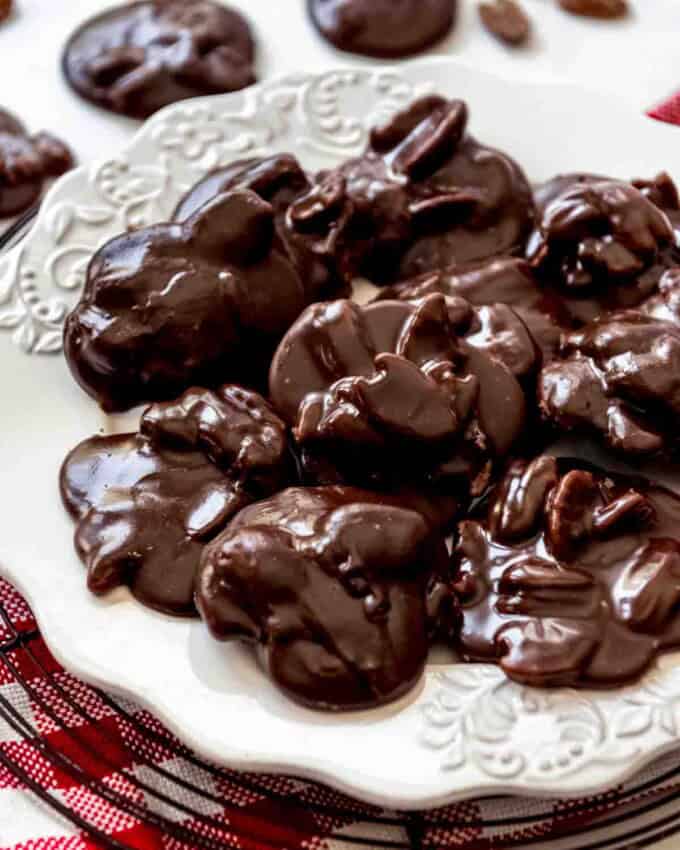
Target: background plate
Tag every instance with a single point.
(466, 731)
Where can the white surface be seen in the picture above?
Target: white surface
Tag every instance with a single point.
(637, 60)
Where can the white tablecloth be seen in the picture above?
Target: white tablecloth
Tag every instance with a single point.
(637, 59)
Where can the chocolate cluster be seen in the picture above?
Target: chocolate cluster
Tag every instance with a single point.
(147, 503)
(26, 162)
(139, 57)
(361, 386)
(203, 301)
(603, 242)
(337, 588)
(572, 577)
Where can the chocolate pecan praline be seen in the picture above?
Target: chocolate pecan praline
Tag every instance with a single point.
(383, 28)
(339, 589)
(390, 393)
(136, 58)
(147, 503)
(26, 162)
(171, 305)
(618, 380)
(603, 243)
(280, 180)
(573, 578)
(424, 195)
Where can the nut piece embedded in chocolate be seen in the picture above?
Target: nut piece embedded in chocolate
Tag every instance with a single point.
(575, 577)
(618, 380)
(146, 504)
(390, 393)
(26, 162)
(424, 195)
(281, 181)
(600, 240)
(175, 304)
(596, 8)
(502, 282)
(506, 20)
(138, 57)
(474, 204)
(335, 586)
(383, 27)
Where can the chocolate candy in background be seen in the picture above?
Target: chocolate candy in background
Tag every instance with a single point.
(201, 302)
(146, 504)
(391, 394)
(340, 589)
(619, 379)
(503, 287)
(573, 578)
(136, 58)
(603, 243)
(26, 162)
(383, 28)
(279, 180)
(425, 195)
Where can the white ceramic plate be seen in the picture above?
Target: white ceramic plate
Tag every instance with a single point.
(465, 730)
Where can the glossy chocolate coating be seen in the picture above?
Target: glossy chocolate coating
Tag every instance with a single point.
(337, 587)
(423, 196)
(26, 162)
(475, 204)
(596, 8)
(175, 304)
(146, 504)
(390, 393)
(138, 57)
(279, 180)
(619, 379)
(387, 28)
(663, 192)
(491, 284)
(603, 242)
(574, 577)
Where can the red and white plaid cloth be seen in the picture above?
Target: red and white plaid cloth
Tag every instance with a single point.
(256, 818)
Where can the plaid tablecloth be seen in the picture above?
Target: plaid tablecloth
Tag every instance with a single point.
(118, 772)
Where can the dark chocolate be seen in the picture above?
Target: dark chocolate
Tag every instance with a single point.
(146, 504)
(506, 20)
(603, 242)
(280, 180)
(619, 379)
(389, 393)
(136, 58)
(338, 588)
(423, 196)
(383, 28)
(573, 578)
(502, 281)
(475, 204)
(203, 302)
(26, 162)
